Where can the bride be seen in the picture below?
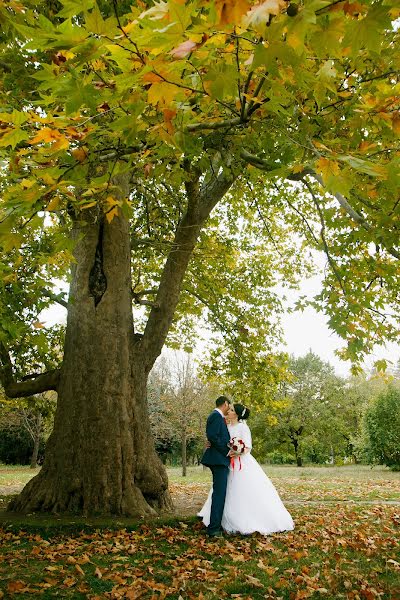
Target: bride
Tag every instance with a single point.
(252, 502)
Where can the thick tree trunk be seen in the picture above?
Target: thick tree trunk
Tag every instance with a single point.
(100, 457)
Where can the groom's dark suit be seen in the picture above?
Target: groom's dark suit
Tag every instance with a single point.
(216, 458)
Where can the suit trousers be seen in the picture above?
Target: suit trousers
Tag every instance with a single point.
(220, 480)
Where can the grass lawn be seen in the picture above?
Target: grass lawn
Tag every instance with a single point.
(338, 549)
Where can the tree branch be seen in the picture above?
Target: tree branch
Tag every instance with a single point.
(41, 383)
(200, 202)
(264, 165)
(324, 242)
(58, 298)
(214, 125)
(35, 384)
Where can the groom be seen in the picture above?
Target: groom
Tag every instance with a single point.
(217, 458)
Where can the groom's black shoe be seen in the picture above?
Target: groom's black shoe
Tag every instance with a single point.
(215, 534)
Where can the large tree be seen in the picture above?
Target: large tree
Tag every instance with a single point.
(125, 127)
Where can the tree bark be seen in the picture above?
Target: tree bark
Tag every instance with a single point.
(100, 458)
(299, 460)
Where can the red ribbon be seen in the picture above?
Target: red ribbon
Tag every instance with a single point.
(233, 463)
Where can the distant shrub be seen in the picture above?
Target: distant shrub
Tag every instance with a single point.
(382, 429)
(276, 457)
(16, 445)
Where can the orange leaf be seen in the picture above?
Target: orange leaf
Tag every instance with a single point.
(365, 146)
(47, 135)
(80, 154)
(396, 123)
(151, 78)
(231, 12)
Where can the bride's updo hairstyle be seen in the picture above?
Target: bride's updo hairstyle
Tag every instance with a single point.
(241, 411)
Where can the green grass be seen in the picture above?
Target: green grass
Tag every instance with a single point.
(340, 552)
(338, 549)
(354, 482)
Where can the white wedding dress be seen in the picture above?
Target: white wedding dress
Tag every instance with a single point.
(252, 502)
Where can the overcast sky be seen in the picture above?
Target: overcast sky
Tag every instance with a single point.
(303, 331)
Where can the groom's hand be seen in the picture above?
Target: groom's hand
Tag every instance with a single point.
(208, 444)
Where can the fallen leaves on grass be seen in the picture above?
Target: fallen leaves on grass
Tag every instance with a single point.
(338, 551)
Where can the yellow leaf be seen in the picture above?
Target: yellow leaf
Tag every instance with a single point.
(327, 168)
(39, 325)
(163, 93)
(298, 169)
(54, 203)
(48, 179)
(79, 569)
(27, 183)
(112, 213)
(48, 135)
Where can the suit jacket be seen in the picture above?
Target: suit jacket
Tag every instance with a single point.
(218, 435)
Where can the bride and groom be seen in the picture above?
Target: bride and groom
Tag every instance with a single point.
(242, 499)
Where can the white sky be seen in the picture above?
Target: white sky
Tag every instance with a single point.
(302, 330)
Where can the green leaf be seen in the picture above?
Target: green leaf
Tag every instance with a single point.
(13, 137)
(95, 22)
(364, 166)
(73, 8)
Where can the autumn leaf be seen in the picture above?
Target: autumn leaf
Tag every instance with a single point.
(111, 214)
(230, 11)
(327, 168)
(396, 123)
(80, 154)
(51, 136)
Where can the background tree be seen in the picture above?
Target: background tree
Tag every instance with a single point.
(382, 428)
(128, 127)
(315, 415)
(184, 402)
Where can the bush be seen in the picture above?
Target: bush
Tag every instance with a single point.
(276, 457)
(382, 428)
(16, 445)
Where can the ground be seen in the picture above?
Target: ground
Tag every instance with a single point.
(345, 545)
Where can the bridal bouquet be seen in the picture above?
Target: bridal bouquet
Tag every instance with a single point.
(237, 446)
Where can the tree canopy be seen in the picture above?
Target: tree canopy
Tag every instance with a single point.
(293, 108)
